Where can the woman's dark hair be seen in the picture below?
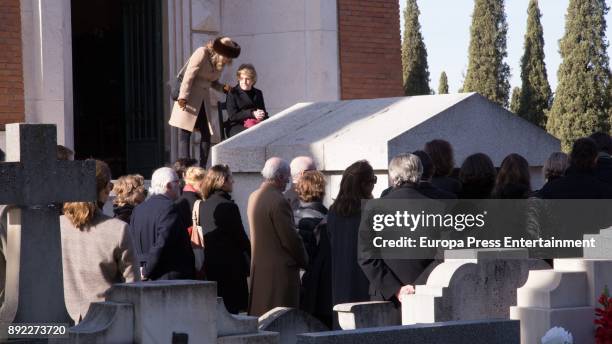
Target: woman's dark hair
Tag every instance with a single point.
(583, 155)
(182, 164)
(353, 188)
(441, 154)
(477, 175)
(603, 142)
(513, 177)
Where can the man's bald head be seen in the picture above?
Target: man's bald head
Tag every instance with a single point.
(299, 165)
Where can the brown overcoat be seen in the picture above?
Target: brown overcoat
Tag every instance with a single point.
(277, 252)
(199, 77)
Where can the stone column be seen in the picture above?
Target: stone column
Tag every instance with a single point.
(46, 32)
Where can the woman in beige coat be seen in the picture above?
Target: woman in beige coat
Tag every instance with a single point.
(192, 107)
(96, 250)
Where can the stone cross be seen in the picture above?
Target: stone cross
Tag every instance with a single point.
(32, 181)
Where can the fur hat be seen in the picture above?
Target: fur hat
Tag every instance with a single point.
(230, 49)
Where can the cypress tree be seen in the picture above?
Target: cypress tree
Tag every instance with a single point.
(536, 95)
(443, 84)
(515, 100)
(487, 72)
(414, 54)
(582, 99)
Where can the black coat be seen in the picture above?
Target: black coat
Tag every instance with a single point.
(446, 183)
(349, 284)
(161, 241)
(185, 206)
(387, 276)
(240, 107)
(431, 191)
(603, 170)
(307, 216)
(316, 292)
(576, 185)
(123, 213)
(227, 250)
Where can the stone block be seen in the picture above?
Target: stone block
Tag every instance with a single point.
(470, 289)
(338, 133)
(472, 117)
(367, 314)
(253, 17)
(105, 322)
(565, 296)
(162, 308)
(322, 80)
(289, 322)
(206, 15)
(456, 332)
(230, 325)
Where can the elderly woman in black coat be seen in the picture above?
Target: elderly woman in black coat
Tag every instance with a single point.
(316, 293)
(227, 248)
(245, 104)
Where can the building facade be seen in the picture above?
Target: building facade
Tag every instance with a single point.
(100, 69)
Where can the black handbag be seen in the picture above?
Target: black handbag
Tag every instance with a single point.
(175, 86)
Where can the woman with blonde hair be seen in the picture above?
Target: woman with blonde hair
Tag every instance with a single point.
(129, 192)
(193, 178)
(192, 108)
(245, 103)
(97, 251)
(227, 248)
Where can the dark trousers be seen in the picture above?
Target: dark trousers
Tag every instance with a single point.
(185, 139)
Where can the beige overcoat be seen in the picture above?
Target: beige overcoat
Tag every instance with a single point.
(93, 260)
(277, 252)
(199, 77)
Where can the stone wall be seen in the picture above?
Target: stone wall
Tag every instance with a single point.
(370, 49)
(11, 68)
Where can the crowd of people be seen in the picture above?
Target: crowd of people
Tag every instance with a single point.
(298, 253)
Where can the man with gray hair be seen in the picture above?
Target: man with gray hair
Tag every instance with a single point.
(298, 166)
(391, 279)
(277, 250)
(160, 237)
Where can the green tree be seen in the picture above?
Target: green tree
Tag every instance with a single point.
(443, 84)
(582, 99)
(414, 54)
(487, 72)
(536, 95)
(515, 100)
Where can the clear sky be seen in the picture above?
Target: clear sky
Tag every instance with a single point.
(445, 26)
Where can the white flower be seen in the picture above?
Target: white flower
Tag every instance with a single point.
(557, 335)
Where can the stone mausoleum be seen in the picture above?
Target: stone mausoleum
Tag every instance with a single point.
(339, 133)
